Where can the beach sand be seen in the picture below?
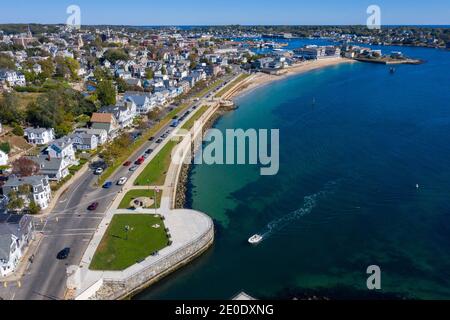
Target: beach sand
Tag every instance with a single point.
(259, 79)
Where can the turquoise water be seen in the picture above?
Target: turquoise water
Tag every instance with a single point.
(345, 197)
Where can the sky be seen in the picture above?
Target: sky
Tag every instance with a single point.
(214, 12)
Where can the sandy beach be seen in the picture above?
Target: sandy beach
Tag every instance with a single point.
(259, 79)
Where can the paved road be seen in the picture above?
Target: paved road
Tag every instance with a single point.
(70, 225)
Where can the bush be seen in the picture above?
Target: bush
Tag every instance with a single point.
(5, 147)
(18, 130)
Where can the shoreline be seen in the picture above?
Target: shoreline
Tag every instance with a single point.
(247, 85)
(261, 79)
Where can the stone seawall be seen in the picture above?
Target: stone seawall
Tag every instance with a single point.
(126, 288)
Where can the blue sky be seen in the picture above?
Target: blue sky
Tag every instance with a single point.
(207, 12)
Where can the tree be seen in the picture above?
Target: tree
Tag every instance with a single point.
(34, 208)
(7, 62)
(48, 68)
(15, 201)
(154, 114)
(5, 147)
(73, 66)
(149, 74)
(9, 108)
(106, 93)
(24, 167)
(114, 55)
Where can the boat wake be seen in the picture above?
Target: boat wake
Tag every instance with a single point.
(310, 202)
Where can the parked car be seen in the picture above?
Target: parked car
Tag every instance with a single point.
(151, 139)
(98, 171)
(107, 185)
(93, 206)
(63, 254)
(159, 141)
(133, 168)
(127, 164)
(122, 181)
(149, 151)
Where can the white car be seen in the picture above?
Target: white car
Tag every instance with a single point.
(99, 171)
(122, 181)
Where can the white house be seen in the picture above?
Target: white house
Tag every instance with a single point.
(142, 101)
(39, 136)
(124, 114)
(41, 192)
(63, 149)
(16, 233)
(101, 134)
(3, 158)
(84, 141)
(13, 78)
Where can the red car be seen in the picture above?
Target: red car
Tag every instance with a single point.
(140, 161)
(93, 206)
(127, 164)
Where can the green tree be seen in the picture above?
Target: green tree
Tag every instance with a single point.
(15, 201)
(106, 93)
(6, 62)
(48, 68)
(149, 74)
(34, 208)
(114, 55)
(5, 147)
(9, 108)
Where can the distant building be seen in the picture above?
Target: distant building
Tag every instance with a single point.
(39, 136)
(12, 78)
(16, 233)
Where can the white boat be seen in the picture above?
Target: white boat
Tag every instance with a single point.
(255, 239)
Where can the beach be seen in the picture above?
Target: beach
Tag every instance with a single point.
(260, 79)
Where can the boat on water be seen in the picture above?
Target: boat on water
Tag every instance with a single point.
(392, 70)
(255, 239)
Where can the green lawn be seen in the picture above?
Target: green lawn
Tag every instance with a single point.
(134, 194)
(118, 251)
(190, 123)
(139, 142)
(212, 86)
(155, 172)
(232, 84)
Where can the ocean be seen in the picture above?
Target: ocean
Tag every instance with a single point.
(355, 140)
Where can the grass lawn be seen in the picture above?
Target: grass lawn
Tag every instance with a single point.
(155, 172)
(117, 253)
(232, 84)
(190, 123)
(212, 86)
(134, 194)
(139, 142)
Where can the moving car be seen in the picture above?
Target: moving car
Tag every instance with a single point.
(140, 161)
(127, 164)
(98, 171)
(122, 181)
(107, 185)
(159, 141)
(151, 139)
(133, 168)
(63, 254)
(93, 206)
(149, 151)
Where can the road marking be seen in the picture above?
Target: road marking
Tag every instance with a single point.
(68, 235)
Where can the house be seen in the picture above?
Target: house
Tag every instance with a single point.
(39, 136)
(37, 68)
(16, 233)
(143, 103)
(124, 114)
(3, 158)
(41, 192)
(133, 82)
(13, 78)
(55, 168)
(62, 149)
(101, 134)
(105, 121)
(84, 141)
